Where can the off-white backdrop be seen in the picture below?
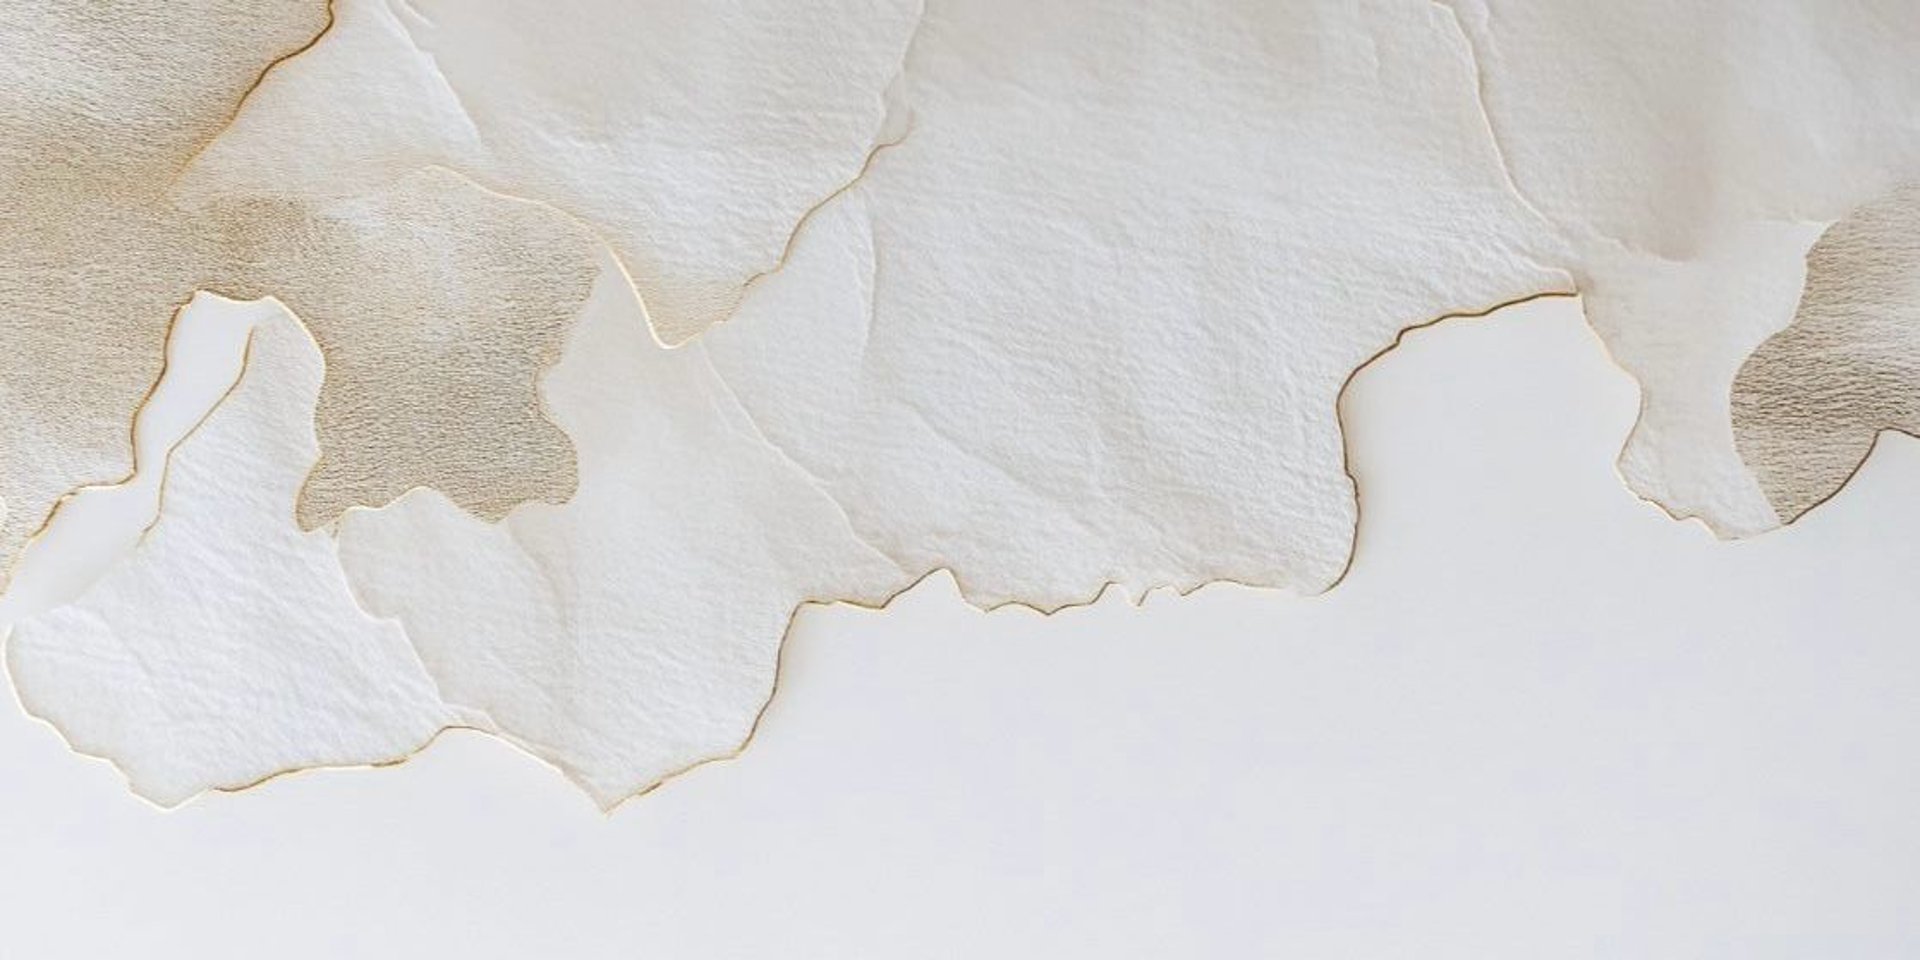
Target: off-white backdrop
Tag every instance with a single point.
(1539, 719)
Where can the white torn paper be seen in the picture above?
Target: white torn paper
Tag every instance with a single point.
(934, 380)
(94, 526)
(693, 136)
(227, 648)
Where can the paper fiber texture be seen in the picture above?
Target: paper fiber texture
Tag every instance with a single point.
(227, 648)
(435, 301)
(1809, 404)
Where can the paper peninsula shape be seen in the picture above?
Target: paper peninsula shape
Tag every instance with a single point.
(595, 339)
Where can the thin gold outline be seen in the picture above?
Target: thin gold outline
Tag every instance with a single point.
(593, 243)
(13, 562)
(800, 225)
(247, 92)
(1879, 433)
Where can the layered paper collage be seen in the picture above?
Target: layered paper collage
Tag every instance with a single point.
(569, 353)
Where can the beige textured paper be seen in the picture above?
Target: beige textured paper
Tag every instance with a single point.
(436, 301)
(634, 631)
(437, 305)
(1810, 402)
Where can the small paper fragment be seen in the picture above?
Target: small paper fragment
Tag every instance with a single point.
(633, 631)
(1810, 402)
(227, 648)
(436, 301)
(101, 104)
(438, 305)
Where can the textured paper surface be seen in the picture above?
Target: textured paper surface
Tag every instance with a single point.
(633, 631)
(1690, 153)
(93, 527)
(436, 301)
(1047, 295)
(694, 137)
(104, 103)
(1052, 342)
(1810, 402)
(227, 648)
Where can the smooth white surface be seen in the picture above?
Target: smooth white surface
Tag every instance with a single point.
(1537, 720)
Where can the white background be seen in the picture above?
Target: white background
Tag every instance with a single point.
(1539, 719)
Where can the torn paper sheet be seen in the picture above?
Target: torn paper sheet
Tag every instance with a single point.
(100, 105)
(437, 304)
(1809, 404)
(1042, 411)
(436, 301)
(693, 136)
(227, 647)
(1690, 154)
(1100, 335)
(634, 631)
(93, 527)
(1070, 299)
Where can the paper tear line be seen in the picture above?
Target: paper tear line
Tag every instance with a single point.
(404, 9)
(12, 564)
(1479, 87)
(247, 93)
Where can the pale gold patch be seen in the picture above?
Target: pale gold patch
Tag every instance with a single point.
(437, 305)
(436, 302)
(1809, 403)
